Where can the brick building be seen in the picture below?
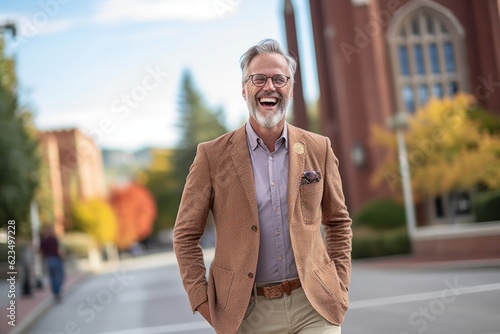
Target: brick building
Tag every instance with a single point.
(75, 170)
(379, 58)
(376, 58)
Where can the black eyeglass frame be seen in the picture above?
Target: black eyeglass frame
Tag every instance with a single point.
(250, 77)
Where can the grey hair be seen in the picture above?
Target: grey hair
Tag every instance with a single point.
(266, 46)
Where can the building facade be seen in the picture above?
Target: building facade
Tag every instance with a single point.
(377, 58)
(75, 171)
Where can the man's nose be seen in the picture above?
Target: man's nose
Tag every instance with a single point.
(269, 85)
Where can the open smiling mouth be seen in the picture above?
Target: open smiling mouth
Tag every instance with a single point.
(268, 101)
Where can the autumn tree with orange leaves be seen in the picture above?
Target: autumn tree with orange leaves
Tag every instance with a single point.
(136, 210)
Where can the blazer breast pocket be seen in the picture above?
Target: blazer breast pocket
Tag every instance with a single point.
(311, 188)
(310, 200)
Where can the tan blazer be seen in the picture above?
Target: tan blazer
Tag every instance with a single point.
(221, 180)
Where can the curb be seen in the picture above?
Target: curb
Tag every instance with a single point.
(32, 316)
(44, 304)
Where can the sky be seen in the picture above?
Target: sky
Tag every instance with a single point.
(112, 68)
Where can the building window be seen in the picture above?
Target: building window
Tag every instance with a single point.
(403, 61)
(427, 53)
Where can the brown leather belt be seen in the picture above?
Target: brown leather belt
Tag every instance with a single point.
(277, 290)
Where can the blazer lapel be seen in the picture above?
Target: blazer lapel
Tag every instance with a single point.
(238, 149)
(297, 153)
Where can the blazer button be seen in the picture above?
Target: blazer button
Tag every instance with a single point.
(250, 275)
(254, 228)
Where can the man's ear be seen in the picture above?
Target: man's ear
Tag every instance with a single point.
(243, 93)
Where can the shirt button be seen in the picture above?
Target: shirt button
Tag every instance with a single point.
(280, 257)
(277, 232)
(254, 228)
(250, 275)
(276, 209)
(272, 184)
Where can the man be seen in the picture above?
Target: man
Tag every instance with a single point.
(52, 253)
(269, 186)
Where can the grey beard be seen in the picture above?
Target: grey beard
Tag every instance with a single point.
(270, 120)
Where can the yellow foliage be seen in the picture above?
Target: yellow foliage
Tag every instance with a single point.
(161, 161)
(446, 150)
(97, 218)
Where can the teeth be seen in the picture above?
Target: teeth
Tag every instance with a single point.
(268, 99)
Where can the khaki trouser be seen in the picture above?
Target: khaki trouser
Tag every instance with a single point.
(285, 315)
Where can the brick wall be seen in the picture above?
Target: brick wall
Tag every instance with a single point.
(458, 242)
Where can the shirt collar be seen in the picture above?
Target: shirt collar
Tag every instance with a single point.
(253, 137)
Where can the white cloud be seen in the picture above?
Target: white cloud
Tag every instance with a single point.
(113, 11)
(57, 26)
(37, 24)
(154, 34)
(70, 119)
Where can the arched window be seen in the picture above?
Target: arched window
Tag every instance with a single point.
(427, 51)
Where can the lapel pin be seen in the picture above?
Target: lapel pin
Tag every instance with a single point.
(298, 148)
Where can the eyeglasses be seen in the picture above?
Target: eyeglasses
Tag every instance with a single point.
(259, 80)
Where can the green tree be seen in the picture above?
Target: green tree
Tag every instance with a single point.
(20, 161)
(166, 175)
(198, 123)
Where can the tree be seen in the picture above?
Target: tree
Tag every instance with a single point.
(19, 162)
(136, 210)
(452, 146)
(159, 178)
(166, 176)
(97, 218)
(198, 123)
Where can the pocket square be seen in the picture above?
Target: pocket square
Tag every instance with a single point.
(310, 177)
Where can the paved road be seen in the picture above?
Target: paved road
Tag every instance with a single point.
(438, 301)
(147, 298)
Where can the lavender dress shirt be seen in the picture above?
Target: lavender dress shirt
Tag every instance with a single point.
(270, 170)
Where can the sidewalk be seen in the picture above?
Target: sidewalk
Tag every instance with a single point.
(28, 308)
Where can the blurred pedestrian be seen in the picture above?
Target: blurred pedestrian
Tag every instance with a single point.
(270, 186)
(53, 256)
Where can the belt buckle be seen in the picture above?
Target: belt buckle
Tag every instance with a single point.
(277, 290)
(272, 292)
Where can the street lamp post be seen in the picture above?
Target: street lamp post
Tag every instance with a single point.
(9, 26)
(399, 123)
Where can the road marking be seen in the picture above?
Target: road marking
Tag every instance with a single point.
(150, 294)
(175, 328)
(420, 296)
(183, 327)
